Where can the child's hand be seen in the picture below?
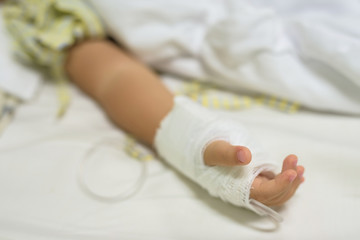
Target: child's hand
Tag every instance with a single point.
(267, 188)
(275, 190)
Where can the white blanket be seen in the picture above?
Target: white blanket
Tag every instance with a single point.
(306, 51)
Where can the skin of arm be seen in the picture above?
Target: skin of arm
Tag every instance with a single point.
(130, 93)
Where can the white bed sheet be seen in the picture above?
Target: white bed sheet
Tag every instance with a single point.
(41, 199)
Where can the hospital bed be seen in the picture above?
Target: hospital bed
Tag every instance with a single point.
(41, 196)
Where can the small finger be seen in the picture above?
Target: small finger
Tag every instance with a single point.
(297, 182)
(290, 162)
(222, 153)
(294, 186)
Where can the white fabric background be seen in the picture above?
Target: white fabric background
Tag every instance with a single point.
(304, 50)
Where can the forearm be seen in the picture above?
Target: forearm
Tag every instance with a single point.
(131, 94)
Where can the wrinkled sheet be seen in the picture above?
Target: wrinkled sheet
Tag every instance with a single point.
(40, 197)
(304, 50)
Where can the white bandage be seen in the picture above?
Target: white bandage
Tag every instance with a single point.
(182, 138)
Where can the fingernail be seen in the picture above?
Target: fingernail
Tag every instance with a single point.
(292, 177)
(241, 156)
(295, 163)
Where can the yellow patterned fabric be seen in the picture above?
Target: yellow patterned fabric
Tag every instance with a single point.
(212, 97)
(43, 29)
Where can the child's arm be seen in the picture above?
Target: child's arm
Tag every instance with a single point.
(130, 93)
(137, 101)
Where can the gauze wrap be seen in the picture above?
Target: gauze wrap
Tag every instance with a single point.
(182, 138)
